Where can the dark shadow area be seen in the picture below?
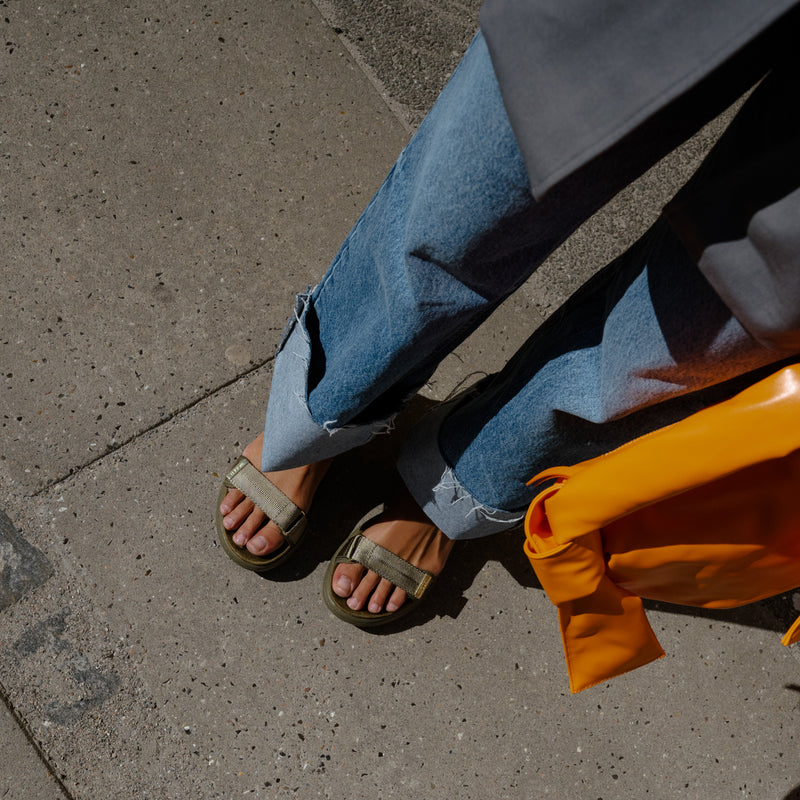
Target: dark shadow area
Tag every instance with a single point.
(773, 614)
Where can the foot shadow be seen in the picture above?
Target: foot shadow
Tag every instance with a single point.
(362, 479)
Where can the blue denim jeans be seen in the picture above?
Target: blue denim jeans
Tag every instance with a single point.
(453, 230)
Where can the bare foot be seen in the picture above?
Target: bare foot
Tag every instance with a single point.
(248, 524)
(403, 529)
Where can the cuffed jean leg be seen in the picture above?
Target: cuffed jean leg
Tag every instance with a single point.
(291, 435)
(628, 353)
(414, 277)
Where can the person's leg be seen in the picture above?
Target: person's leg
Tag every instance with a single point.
(628, 353)
(416, 273)
(446, 237)
(644, 343)
(647, 330)
(440, 244)
(451, 233)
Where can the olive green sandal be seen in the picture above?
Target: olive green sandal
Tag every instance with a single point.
(291, 520)
(358, 549)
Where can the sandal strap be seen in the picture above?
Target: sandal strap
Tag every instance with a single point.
(412, 580)
(268, 497)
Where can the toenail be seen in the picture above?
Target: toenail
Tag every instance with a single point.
(344, 585)
(374, 608)
(258, 542)
(239, 539)
(353, 603)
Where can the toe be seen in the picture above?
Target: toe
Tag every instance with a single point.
(230, 501)
(265, 540)
(361, 594)
(379, 596)
(345, 578)
(238, 515)
(365, 589)
(247, 524)
(396, 599)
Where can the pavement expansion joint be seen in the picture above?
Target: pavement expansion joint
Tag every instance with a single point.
(112, 449)
(25, 730)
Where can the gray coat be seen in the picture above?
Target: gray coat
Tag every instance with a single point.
(581, 77)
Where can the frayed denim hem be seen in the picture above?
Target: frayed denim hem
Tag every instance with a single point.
(434, 485)
(291, 436)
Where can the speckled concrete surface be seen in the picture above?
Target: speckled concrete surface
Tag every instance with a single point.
(169, 180)
(409, 49)
(25, 775)
(188, 675)
(151, 161)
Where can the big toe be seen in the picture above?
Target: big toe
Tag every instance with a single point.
(345, 579)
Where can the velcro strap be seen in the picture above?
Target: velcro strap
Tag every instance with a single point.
(268, 497)
(412, 580)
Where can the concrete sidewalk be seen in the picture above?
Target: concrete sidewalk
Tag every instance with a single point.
(169, 181)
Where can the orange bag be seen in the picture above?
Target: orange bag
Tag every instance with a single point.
(704, 512)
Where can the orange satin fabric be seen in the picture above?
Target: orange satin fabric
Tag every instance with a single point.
(705, 512)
